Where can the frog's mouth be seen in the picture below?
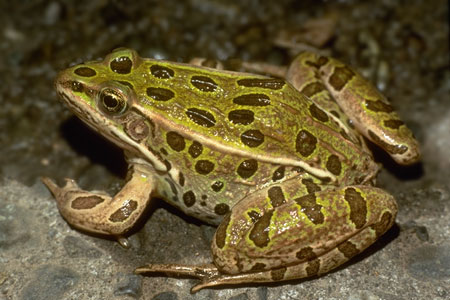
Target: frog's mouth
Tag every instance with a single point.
(106, 109)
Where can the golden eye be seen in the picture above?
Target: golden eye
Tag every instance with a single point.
(112, 102)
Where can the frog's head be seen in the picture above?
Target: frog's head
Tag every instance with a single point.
(101, 93)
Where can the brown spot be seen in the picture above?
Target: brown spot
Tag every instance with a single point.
(76, 86)
(160, 94)
(254, 215)
(313, 267)
(217, 186)
(247, 168)
(311, 187)
(305, 143)
(241, 116)
(204, 197)
(221, 209)
(317, 113)
(173, 188)
(86, 202)
(260, 231)
(204, 167)
(252, 100)
(335, 113)
(392, 149)
(278, 173)
(310, 208)
(121, 65)
(394, 124)
(378, 106)
(276, 196)
(201, 117)
(358, 209)
(168, 165)
(189, 198)
(163, 151)
(85, 72)
(258, 267)
(321, 61)
(348, 249)
(340, 77)
(334, 164)
(203, 83)
(175, 141)
(252, 138)
(161, 72)
(313, 88)
(195, 149)
(137, 130)
(305, 254)
(278, 274)
(269, 83)
(383, 225)
(181, 179)
(124, 212)
(221, 232)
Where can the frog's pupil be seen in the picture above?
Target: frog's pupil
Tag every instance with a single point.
(110, 101)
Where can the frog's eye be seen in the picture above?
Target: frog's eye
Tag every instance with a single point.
(112, 102)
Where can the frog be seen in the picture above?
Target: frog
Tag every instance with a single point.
(279, 164)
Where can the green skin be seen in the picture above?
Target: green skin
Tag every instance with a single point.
(280, 166)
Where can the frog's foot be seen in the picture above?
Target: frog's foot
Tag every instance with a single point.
(97, 212)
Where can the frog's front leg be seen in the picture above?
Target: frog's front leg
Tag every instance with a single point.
(275, 235)
(97, 212)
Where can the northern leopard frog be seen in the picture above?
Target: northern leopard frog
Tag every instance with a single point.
(279, 165)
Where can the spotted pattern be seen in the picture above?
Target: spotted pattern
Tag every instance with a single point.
(311, 187)
(348, 249)
(201, 117)
(260, 233)
(195, 149)
(306, 143)
(258, 267)
(269, 83)
(278, 174)
(394, 124)
(189, 198)
(124, 212)
(86, 202)
(175, 141)
(313, 267)
(340, 77)
(358, 208)
(334, 164)
(305, 254)
(276, 196)
(313, 88)
(221, 209)
(161, 72)
(85, 72)
(311, 208)
(278, 274)
(241, 116)
(247, 168)
(217, 186)
(252, 100)
(181, 179)
(378, 106)
(204, 167)
(252, 138)
(317, 113)
(203, 83)
(392, 149)
(137, 130)
(160, 94)
(318, 63)
(121, 65)
(254, 215)
(221, 232)
(384, 224)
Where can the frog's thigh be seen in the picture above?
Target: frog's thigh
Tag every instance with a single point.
(369, 110)
(300, 237)
(98, 212)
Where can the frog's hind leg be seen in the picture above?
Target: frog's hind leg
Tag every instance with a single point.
(276, 235)
(97, 212)
(368, 110)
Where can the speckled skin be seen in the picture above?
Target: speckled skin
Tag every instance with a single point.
(280, 165)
